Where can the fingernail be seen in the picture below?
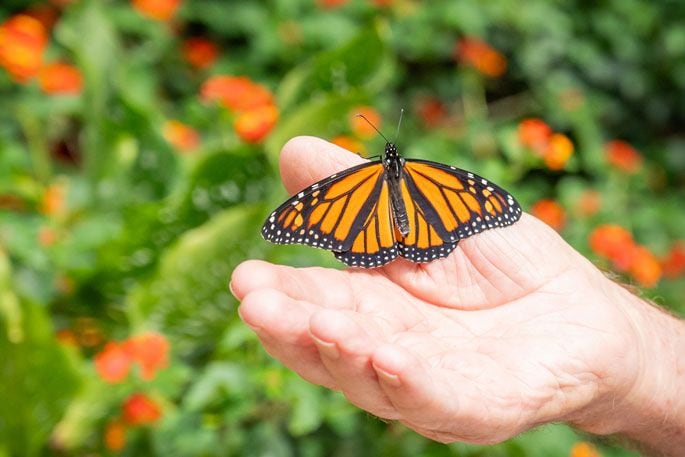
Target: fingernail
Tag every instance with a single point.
(230, 287)
(388, 378)
(328, 349)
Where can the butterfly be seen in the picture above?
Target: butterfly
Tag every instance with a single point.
(370, 214)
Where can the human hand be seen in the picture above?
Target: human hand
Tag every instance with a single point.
(512, 330)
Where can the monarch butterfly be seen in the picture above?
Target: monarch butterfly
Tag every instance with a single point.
(371, 213)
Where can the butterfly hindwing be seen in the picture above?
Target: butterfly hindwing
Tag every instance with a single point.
(330, 213)
(458, 203)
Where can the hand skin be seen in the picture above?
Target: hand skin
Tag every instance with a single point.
(514, 329)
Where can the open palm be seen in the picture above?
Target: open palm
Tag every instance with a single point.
(512, 330)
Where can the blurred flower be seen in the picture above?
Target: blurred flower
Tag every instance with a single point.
(151, 351)
(535, 134)
(53, 202)
(550, 212)
(349, 143)
(361, 127)
(159, 10)
(478, 54)
(431, 111)
(60, 78)
(558, 151)
(589, 203)
(47, 236)
(113, 362)
(115, 435)
(12, 202)
(330, 3)
(200, 52)
(615, 243)
(66, 337)
(673, 264)
(44, 13)
(623, 156)
(22, 42)
(238, 93)
(253, 125)
(584, 449)
(181, 136)
(139, 409)
(88, 332)
(645, 267)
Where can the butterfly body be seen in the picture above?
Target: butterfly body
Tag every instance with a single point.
(372, 213)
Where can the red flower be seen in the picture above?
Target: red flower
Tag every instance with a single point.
(47, 236)
(623, 156)
(60, 78)
(115, 435)
(139, 409)
(432, 112)
(615, 243)
(238, 93)
(674, 263)
(349, 143)
(159, 10)
(645, 267)
(22, 42)
(253, 125)
(200, 52)
(53, 202)
(181, 136)
(361, 127)
(550, 212)
(113, 362)
(535, 134)
(584, 449)
(151, 351)
(476, 53)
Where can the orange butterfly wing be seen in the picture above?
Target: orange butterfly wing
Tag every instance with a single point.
(330, 213)
(458, 203)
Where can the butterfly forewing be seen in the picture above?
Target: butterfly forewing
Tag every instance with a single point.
(328, 213)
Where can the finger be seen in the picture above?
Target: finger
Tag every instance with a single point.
(282, 325)
(305, 160)
(345, 348)
(321, 286)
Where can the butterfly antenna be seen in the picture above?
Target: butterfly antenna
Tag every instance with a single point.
(374, 127)
(397, 134)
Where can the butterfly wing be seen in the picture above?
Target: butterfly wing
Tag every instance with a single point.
(331, 213)
(457, 203)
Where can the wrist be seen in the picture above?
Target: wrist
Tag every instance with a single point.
(646, 403)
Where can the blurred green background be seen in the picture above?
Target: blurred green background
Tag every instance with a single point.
(138, 150)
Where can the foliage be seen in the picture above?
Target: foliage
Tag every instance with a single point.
(138, 151)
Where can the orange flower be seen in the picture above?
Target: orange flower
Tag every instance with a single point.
(200, 52)
(589, 203)
(60, 78)
(559, 150)
(113, 362)
(550, 212)
(431, 111)
(623, 156)
(476, 53)
(66, 337)
(22, 42)
(645, 267)
(584, 449)
(53, 202)
(535, 134)
(47, 236)
(115, 435)
(253, 125)
(159, 10)
(674, 263)
(361, 127)
(349, 143)
(615, 243)
(151, 351)
(139, 409)
(238, 93)
(181, 136)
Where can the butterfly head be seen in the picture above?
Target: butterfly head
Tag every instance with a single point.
(391, 151)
